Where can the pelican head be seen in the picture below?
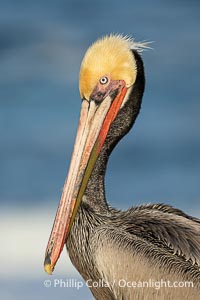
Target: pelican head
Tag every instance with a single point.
(108, 60)
(107, 75)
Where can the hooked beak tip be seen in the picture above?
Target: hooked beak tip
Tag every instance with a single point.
(48, 269)
(48, 266)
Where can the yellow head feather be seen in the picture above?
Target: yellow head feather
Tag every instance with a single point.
(111, 56)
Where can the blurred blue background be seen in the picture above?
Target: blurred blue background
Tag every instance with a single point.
(41, 47)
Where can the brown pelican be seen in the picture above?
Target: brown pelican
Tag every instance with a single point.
(121, 250)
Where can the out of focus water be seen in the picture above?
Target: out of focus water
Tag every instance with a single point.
(41, 47)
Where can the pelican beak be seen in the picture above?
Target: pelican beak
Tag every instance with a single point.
(96, 117)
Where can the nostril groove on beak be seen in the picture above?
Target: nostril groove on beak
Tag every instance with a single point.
(114, 94)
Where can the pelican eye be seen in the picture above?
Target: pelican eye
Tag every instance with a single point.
(103, 80)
